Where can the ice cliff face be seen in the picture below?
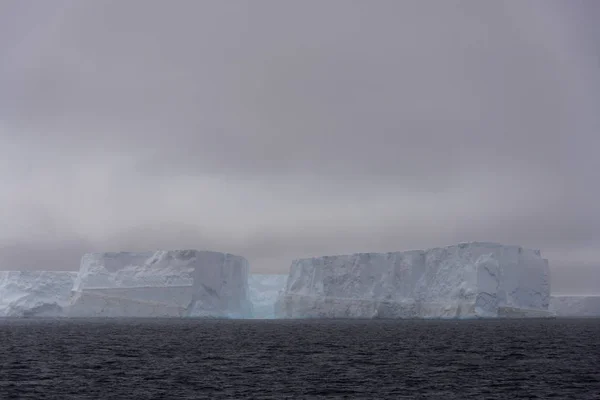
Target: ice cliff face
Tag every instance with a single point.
(462, 281)
(576, 305)
(178, 283)
(264, 290)
(35, 293)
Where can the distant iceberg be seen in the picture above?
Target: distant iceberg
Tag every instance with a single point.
(468, 280)
(35, 293)
(264, 290)
(576, 305)
(176, 283)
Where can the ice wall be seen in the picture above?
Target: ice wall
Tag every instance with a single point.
(264, 290)
(35, 293)
(576, 305)
(467, 280)
(175, 283)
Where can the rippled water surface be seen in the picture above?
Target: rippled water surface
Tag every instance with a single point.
(215, 359)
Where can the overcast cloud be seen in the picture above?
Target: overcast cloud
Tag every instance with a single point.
(285, 129)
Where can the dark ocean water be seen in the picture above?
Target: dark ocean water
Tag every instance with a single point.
(216, 359)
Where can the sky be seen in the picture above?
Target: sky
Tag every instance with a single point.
(285, 129)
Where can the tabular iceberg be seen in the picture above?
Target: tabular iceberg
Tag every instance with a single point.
(462, 281)
(176, 283)
(576, 305)
(264, 290)
(35, 293)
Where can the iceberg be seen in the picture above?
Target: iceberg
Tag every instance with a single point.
(264, 290)
(468, 280)
(169, 283)
(35, 293)
(575, 305)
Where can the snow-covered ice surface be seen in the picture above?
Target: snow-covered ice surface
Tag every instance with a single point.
(576, 305)
(264, 290)
(35, 293)
(173, 283)
(463, 281)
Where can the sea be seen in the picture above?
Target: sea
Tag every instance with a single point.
(299, 359)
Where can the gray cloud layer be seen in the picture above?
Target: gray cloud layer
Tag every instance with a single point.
(285, 129)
